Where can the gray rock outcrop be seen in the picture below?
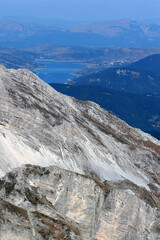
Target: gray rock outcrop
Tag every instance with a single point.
(98, 178)
(51, 203)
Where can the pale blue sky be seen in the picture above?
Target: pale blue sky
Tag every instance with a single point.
(81, 9)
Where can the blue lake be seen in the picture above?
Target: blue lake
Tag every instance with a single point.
(58, 72)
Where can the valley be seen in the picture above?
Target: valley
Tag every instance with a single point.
(57, 64)
(95, 59)
(59, 72)
(79, 120)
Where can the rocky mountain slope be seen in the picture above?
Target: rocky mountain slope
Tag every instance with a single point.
(92, 167)
(140, 111)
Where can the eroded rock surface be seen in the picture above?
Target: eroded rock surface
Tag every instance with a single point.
(51, 203)
(105, 175)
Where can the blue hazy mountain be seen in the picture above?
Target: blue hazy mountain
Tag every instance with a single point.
(141, 77)
(149, 64)
(118, 33)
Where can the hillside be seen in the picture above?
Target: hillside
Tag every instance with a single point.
(16, 58)
(135, 78)
(138, 111)
(129, 33)
(149, 64)
(116, 27)
(72, 169)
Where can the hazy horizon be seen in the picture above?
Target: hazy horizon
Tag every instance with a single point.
(81, 10)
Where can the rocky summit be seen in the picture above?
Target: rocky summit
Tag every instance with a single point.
(70, 170)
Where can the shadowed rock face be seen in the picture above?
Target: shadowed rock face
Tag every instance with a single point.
(39, 126)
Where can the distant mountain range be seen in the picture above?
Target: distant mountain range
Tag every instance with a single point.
(116, 28)
(141, 77)
(118, 33)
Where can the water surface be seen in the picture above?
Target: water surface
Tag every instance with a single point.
(58, 72)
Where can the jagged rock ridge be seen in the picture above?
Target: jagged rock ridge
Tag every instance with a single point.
(40, 126)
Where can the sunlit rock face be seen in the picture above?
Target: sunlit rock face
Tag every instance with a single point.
(89, 175)
(52, 203)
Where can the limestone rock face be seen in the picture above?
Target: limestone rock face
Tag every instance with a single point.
(98, 178)
(51, 203)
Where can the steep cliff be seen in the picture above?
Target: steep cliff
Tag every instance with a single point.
(103, 179)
